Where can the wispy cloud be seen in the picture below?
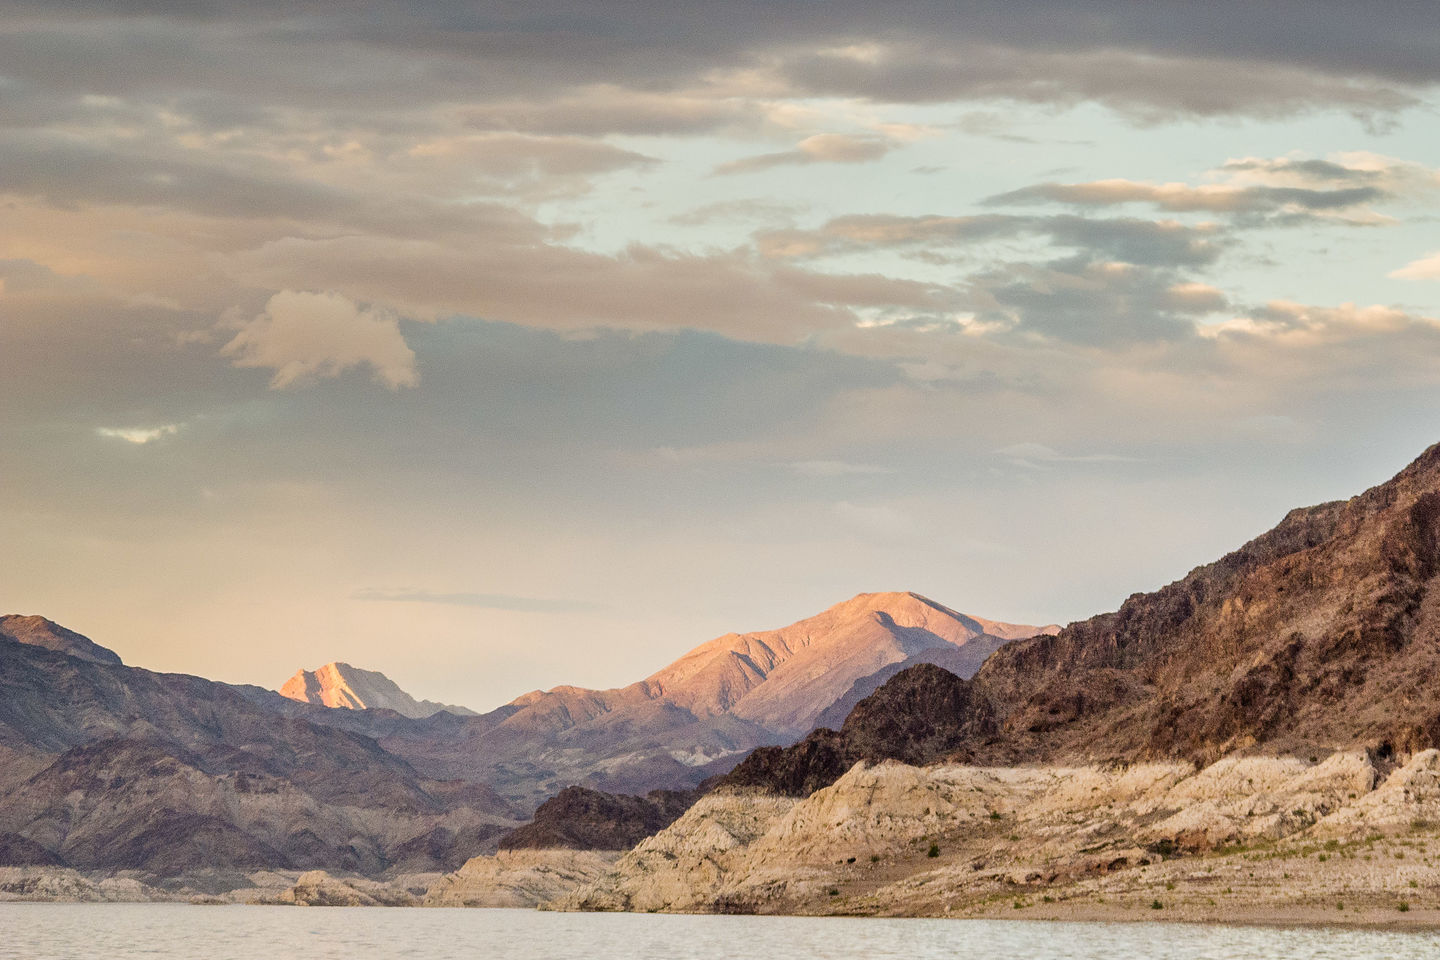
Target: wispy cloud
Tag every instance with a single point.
(820, 148)
(487, 601)
(1035, 454)
(139, 435)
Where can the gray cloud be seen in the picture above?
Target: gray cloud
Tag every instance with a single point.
(1091, 303)
(551, 67)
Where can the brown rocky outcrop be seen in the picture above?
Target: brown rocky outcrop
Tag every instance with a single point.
(921, 715)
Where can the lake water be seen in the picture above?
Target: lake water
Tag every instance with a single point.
(40, 931)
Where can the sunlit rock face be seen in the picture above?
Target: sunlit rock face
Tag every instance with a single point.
(343, 686)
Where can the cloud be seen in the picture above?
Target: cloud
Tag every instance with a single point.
(1157, 242)
(302, 336)
(601, 109)
(139, 435)
(1031, 454)
(836, 468)
(1299, 325)
(565, 288)
(487, 601)
(1184, 198)
(545, 166)
(819, 148)
(1426, 268)
(1256, 190)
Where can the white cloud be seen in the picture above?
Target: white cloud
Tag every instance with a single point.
(305, 335)
(139, 435)
(1426, 268)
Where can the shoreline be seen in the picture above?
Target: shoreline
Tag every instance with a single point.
(1303, 918)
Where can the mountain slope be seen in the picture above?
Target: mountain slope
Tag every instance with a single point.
(1323, 632)
(39, 632)
(341, 685)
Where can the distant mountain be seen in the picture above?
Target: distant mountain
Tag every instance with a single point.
(341, 685)
(697, 716)
(108, 766)
(39, 632)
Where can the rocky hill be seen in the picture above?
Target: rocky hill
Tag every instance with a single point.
(343, 686)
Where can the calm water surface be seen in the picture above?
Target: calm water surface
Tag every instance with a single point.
(40, 931)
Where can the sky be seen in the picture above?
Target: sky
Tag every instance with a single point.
(500, 345)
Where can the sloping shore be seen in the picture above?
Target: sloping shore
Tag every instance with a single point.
(1344, 839)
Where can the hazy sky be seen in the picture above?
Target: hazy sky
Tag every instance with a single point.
(497, 345)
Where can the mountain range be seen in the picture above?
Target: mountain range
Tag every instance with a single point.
(108, 766)
(1312, 649)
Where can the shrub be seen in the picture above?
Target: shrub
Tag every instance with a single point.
(934, 850)
(1156, 905)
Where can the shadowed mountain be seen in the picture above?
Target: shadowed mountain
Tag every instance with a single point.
(341, 685)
